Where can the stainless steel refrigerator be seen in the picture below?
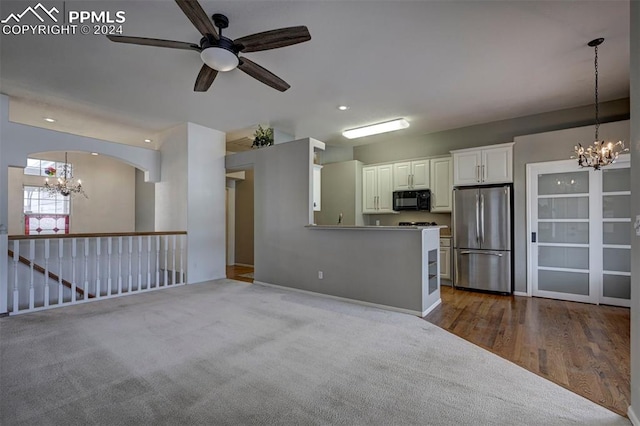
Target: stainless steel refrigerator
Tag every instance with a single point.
(482, 238)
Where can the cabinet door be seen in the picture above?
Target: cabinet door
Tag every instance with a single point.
(466, 167)
(316, 187)
(369, 189)
(385, 188)
(441, 187)
(420, 174)
(401, 176)
(445, 263)
(497, 165)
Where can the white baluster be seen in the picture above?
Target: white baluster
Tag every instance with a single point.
(109, 250)
(166, 264)
(86, 269)
(130, 280)
(139, 263)
(60, 256)
(32, 258)
(173, 255)
(98, 283)
(119, 265)
(182, 238)
(157, 261)
(46, 272)
(73, 270)
(149, 262)
(16, 257)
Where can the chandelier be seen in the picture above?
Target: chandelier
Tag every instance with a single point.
(65, 185)
(600, 153)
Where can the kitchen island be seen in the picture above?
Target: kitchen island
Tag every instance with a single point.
(394, 267)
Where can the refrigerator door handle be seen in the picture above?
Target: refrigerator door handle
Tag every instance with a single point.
(486, 253)
(477, 218)
(482, 218)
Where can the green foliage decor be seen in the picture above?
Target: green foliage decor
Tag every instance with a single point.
(262, 137)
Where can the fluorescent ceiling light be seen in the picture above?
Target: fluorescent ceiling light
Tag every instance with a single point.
(50, 120)
(374, 129)
(94, 153)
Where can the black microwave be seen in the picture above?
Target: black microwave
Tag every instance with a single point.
(412, 200)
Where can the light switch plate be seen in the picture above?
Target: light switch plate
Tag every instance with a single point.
(637, 225)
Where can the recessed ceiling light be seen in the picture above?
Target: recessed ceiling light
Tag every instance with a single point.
(94, 153)
(147, 140)
(374, 129)
(49, 120)
(343, 107)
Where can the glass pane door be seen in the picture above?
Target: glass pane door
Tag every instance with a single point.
(616, 236)
(560, 211)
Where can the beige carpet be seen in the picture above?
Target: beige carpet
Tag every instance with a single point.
(234, 353)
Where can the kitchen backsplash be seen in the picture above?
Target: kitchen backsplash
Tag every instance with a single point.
(405, 216)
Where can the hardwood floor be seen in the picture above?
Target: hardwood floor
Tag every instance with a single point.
(584, 348)
(236, 272)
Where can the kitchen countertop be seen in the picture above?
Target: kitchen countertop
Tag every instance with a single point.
(373, 227)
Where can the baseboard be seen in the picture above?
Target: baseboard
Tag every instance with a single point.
(520, 293)
(345, 299)
(431, 308)
(633, 417)
(243, 264)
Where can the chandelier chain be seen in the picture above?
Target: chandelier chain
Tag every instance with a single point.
(596, 94)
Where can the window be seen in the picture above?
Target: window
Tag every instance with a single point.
(45, 213)
(37, 167)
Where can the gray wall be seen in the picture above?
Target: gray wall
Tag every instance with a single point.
(341, 192)
(335, 154)
(549, 146)
(635, 207)
(440, 143)
(361, 265)
(244, 220)
(145, 204)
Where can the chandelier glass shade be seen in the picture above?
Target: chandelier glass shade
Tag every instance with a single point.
(65, 185)
(600, 153)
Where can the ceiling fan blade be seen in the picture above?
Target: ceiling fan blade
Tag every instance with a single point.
(262, 75)
(198, 17)
(205, 78)
(273, 39)
(154, 42)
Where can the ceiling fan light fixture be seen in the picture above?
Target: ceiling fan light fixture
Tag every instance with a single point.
(374, 129)
(219, 58)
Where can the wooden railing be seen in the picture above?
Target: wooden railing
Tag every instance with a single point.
(77, 268)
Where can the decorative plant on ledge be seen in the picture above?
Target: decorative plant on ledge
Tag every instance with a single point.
(262, 137)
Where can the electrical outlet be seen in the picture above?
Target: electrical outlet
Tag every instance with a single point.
(320, 275)
(637, 225)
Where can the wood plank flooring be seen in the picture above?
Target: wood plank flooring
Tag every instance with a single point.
(235, 272)
(584, 348)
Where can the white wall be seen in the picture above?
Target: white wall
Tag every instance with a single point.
(145, 204)
(109, 184)
(191, 196)
(635, 210)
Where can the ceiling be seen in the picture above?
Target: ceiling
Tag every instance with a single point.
(439, 64)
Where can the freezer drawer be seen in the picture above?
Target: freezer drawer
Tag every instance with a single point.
(483, 270)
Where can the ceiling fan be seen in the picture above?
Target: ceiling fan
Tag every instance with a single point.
(220, 53)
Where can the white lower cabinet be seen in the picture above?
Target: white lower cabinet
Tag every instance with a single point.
(445, 258)
(377, 189)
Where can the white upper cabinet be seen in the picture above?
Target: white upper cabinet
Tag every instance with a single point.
(411, 175)
(377, 189)
(317, 179)
(441, 184)
(485, 165)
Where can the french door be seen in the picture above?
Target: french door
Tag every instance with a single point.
(579, 230)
